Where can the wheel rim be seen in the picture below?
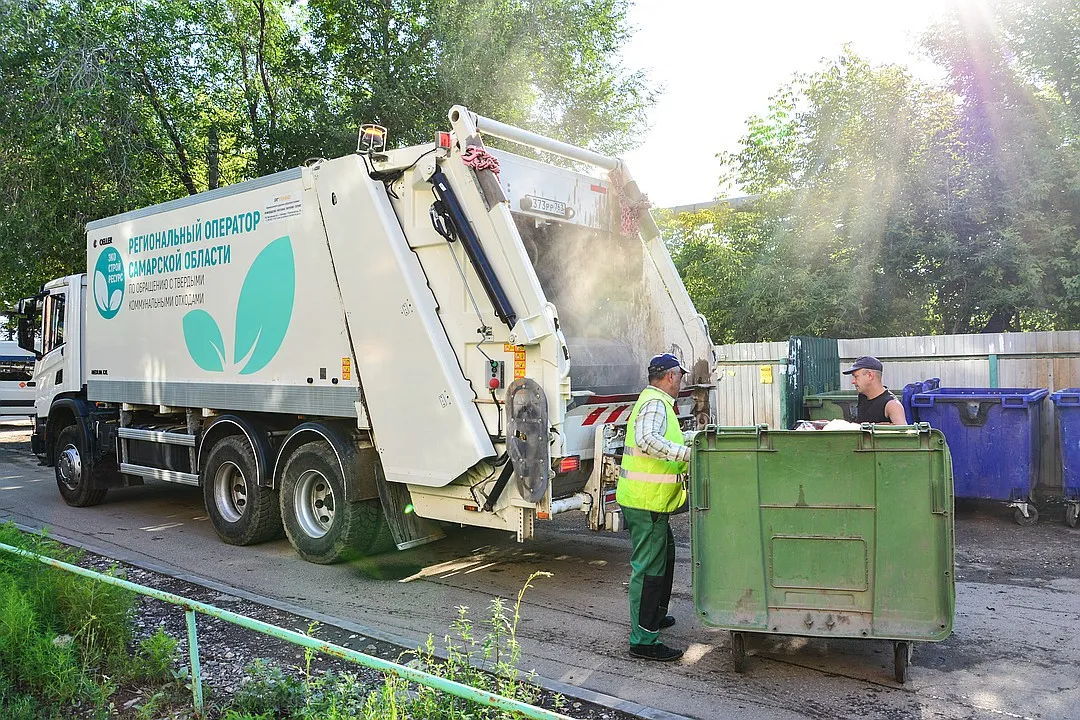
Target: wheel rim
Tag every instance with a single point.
(230, 491)
(69, 464)
(314, 504)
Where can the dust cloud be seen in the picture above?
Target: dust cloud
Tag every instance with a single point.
(596, 280)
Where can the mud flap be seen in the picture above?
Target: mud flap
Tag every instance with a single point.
(527, 438)
(408, 529)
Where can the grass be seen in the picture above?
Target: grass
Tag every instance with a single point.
(64, 639)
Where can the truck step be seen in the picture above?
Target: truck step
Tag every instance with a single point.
(154, 473)
(158, 436)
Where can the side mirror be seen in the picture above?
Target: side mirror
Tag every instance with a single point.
(26, 335)
(28, 310)
(27, 306)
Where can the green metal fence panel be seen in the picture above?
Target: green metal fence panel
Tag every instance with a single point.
(813, 367)
(193, 656)
(830, 534)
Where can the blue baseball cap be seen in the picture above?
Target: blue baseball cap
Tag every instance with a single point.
(665, 361)
(866, 362)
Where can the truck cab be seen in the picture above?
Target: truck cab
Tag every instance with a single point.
(46, 323)
(51, 326)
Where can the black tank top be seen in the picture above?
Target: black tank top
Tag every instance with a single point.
(873, 411)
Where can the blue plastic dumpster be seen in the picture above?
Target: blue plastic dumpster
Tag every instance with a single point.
(909, 392)
(994, 437)
(1068, 414)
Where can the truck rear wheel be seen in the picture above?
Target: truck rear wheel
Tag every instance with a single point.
(74, 471)
(241, 511)
(321, 525)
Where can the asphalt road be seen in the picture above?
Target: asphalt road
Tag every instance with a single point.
(1014, 651)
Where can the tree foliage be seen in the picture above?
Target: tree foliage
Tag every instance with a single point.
(890, 206)
(106, 107)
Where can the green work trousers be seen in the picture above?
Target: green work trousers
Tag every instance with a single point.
(652, 570)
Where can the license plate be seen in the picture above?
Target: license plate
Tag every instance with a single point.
(549, 207)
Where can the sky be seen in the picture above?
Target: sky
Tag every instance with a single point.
(718, 63)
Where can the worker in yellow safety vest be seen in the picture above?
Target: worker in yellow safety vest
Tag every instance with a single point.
(651, 488)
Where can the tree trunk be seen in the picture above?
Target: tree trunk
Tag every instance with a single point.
(212, 158)
(183, 167)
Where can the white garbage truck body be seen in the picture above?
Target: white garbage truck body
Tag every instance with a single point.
(353, 349)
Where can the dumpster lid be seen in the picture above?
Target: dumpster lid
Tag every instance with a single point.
(1009, 397)
(1066, 397)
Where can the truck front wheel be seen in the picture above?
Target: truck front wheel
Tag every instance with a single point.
(321, 525)
(241, 511)
(74, 473)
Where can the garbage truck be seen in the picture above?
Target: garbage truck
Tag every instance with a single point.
(359, 351)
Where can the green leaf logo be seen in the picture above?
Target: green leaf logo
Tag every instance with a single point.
(204, 343)
(265, 307)
(263, 314)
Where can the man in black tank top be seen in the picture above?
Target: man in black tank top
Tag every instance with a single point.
(876, 403)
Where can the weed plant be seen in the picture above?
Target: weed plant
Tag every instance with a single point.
(486, 660)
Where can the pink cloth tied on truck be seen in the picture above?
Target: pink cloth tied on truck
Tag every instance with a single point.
(630, 208)
(479, 159)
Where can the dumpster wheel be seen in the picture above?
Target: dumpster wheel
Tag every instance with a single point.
(901, 658)
(1028, 520)
(1072, 514)
(738, 651)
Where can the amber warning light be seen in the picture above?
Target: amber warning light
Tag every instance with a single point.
(372, 139)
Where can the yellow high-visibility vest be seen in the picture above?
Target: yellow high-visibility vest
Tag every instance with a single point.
(645, 482)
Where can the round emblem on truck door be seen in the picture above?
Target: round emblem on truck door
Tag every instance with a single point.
(109, 283)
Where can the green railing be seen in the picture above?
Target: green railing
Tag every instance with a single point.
(193, 606)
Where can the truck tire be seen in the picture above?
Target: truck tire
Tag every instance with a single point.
(241, 511)
(320, 524)
(75, 473)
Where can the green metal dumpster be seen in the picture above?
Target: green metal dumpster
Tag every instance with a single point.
(845, 534)
(836, 405)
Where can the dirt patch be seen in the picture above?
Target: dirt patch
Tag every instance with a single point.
(991, 548)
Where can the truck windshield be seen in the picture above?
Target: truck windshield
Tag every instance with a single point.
(598, 282)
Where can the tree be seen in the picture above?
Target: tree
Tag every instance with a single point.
(832, 245)
(1012, 220)
(892, 207)
(404, 63)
